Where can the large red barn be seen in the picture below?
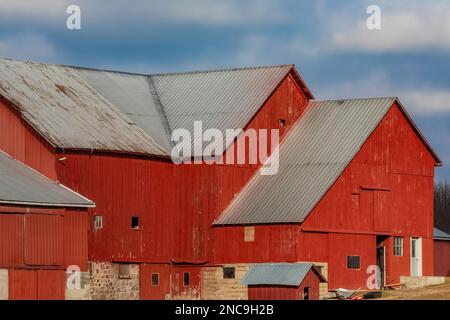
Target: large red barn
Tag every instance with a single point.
(355, 186)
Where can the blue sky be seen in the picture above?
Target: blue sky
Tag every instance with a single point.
(327, 40)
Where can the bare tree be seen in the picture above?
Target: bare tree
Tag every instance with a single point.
(442, 206)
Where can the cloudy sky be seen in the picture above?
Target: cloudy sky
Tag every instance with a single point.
(328, 41)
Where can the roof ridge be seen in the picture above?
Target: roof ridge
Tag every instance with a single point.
(355, 99)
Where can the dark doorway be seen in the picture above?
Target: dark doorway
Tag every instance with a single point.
(381, 261)
(306, 293)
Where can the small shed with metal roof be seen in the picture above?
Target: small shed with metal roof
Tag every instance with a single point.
(274, 281)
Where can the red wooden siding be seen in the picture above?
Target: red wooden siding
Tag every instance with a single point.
(43, 239)
(147, 290)
(36, 284)
(311, 281)
(76, 239)
(11, 239)
(22, 142)
(441, 258)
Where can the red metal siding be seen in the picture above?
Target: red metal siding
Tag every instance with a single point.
(76, 238)
(11, 239)
(441, 258)
(19, 140)
(147, 290)
(36, 284)
(43, 240)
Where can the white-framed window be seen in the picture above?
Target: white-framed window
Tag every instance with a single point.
(98, 222)
(398, 246)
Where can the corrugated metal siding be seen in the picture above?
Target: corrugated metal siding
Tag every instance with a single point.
(287, 274)
(312, 157)
(76, 226)
(11, 239)
(69, 113)
(43, 240)
(20, 184)
(36, 284)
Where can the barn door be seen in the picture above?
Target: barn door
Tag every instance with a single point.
(36, 284)
(416, 257)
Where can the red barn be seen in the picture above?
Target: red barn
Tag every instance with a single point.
(354, 172)
(43, 231)
(441, 253)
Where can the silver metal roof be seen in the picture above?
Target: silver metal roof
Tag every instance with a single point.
(68, 112)
(20, 184)
(282, 274)
(441, 235)
(314, 154)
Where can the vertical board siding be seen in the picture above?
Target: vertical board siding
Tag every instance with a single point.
(22, 284)
(147, 290)
(76, 239)
(51, 284)
(43, 239)
(19, 140)
(11, 239)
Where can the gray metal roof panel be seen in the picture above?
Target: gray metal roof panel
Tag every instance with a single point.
(20, 184)
(311, 158)
(68, 112)
(440, 235)
(283, 274)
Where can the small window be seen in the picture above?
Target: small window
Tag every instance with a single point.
(353, 262)
(186, 279)
(124, 271)
(228, 272)
(249, 234)
(155, 279)
(135, 223)
(306, 293)
(398, 246)
(281, 122)
(98, 222)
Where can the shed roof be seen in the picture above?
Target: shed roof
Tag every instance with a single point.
(21, 185)
(80, 108)
(283, 274)
(313, 155)
(440, 235)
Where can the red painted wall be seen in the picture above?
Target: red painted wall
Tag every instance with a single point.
(43, 238)
(19, 140)
(36, 284)
(311, 281)
(441, 258)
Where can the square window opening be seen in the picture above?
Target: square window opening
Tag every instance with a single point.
(282, 122)
(228, 272)
(155, 279)
(398, 246)
(135, 223)
(124, 271)
(353, 262)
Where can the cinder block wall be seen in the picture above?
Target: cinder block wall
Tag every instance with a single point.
(218, 288)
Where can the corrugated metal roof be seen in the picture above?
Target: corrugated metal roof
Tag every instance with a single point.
(223, 99)
(314, 154)
(68, 112)
(282, 274)
(441, 235)
(20, 184)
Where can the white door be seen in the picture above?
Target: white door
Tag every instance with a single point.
(416, 256)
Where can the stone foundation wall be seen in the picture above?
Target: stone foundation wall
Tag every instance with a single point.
(106, 284)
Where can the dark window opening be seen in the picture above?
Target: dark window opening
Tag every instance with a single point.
(306, 293)
(228, 272)
(353, 262)
(135, 223)
(124, 271)
(90, 269)
(281, 122)
(155, 279)
(186, 279)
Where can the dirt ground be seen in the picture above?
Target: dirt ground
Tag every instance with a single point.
(438, 292)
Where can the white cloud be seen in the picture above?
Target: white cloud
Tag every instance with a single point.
(409, 26)
(427, 101)
(27, 46)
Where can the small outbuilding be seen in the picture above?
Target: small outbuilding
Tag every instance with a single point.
(441, 253)
(283, 281)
